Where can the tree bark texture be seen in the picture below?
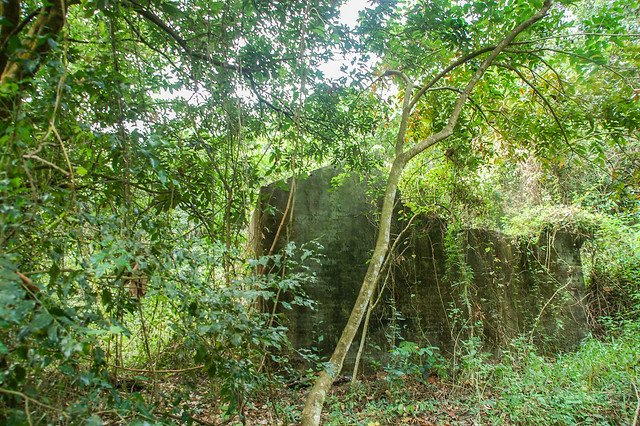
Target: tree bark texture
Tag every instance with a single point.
(33, 39)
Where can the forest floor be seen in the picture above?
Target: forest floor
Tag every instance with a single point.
(373, 401)
(597, 384)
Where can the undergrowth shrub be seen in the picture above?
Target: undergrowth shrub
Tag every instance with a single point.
(613, 263)
(68, 349)
(411, 359)
(594, 385)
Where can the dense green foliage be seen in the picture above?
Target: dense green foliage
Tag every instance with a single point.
(134, 139)
(590, 386)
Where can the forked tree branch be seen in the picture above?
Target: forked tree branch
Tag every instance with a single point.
(457, 109)
(473, 103)
(447, 70)
(406, 108)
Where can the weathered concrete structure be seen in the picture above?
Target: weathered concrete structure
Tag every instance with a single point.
(442, 286)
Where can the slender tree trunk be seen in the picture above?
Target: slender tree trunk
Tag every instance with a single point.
(10, 11)
(315, 399)
(48, 22)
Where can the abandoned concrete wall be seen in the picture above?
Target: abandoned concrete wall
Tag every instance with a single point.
(479, 282)
(443, 285)
(339, 219)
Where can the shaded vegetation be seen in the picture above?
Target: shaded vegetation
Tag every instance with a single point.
(134, 139)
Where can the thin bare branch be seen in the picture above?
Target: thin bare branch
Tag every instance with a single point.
(180, 41)
(142, 370)
(48, 163)
(544, 61)
(35, 401)
(544, 100)
(590, 60)
(18, 28)
(556, 37)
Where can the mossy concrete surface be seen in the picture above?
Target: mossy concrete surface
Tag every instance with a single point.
(443, 286)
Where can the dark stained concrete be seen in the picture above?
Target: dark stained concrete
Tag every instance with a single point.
(444, 285)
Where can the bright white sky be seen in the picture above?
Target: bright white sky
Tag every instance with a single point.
(348, 15)
(349, 12)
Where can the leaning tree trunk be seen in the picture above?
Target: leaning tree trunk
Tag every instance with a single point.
(315, 399)
(33, 32)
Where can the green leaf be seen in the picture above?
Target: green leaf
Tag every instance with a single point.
(52, 43)
(70, 346)
(105, 296)
(52, 333)
(20, 373)
(13, 306)
(5, 22)
(41, 321)
(94, 420)
(236, 339)
(172, 10)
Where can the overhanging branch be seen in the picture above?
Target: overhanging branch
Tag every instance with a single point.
(457, 109)
(548, 106)
(180, 41)
(448, 69)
